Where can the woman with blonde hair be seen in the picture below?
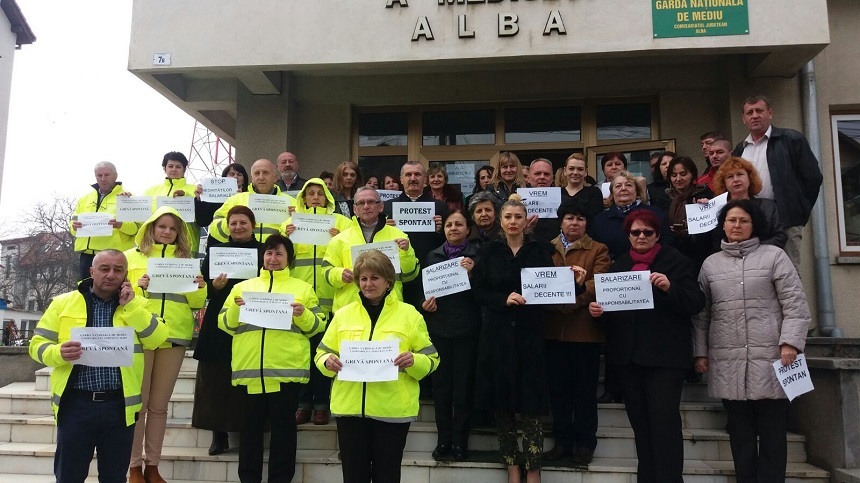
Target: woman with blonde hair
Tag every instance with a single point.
(347, 179)
(507, 177)
(163, 235)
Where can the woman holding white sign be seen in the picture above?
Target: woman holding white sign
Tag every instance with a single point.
(174, 185)
(512, 370)
(684, 191)
(453, 322)
(315, 200)
(204, 211)
(163, 235)
(755, 314)
(216, 400)
(373, 418)
(651, 349)
(271, 363)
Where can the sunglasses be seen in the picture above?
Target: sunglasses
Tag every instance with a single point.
(636, 233)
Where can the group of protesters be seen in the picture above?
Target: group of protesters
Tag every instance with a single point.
(736, 289)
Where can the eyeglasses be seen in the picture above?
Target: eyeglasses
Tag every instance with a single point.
(647, 233)
(738, 221)
(368, 202)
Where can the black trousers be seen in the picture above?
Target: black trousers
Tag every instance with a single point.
(652, 397)
(85, 425)
(86, 263)
(370, 450)
(574, 369)
(280, 409)
(454, 388)
(757, 436)
(316, 394)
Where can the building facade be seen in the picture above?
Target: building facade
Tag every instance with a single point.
(459, 81)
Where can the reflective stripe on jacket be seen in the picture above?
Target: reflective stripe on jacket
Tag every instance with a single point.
(121, 238)
(218, 228)
(393, 401)
(73, 309)
(264, 358)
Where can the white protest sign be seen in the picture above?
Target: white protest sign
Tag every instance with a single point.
(94, 224)
(606, 189)
(172, 275)
(550, 285)
(312, 229)
(270, 209)
(624, 290)
(369, 361)
(794, 378)
(702, 217)
(104, 346)
(389, 248)
(542, 202)
(183, 204)
(414, 217)
(385, 195)
(133, 208)
(237, 263)
(462, 174)
(218, 190)
(445, 278)
(268, 310)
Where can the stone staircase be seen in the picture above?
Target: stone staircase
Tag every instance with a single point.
(27, 436)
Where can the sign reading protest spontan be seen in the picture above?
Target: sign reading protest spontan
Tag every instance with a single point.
(270, 209)
(389, 248)
(312, 229)
(219, 190)
(445, 278)
(268, 310)
(94, 224)
(624, 290)
(550, 285)
(385, 195)
(104, 346)
(133, 208)
(702, 217)
(414, 217)
(368, 361)
(237, 263)
(542, 202)
(183, 204)
(699, 18)
(172, 275)
(794, 378)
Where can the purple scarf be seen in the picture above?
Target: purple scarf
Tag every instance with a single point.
(454, 251)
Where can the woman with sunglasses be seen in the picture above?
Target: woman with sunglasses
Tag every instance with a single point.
(651, 348)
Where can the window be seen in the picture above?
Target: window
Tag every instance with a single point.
(846, 154)
(383, 129)
(380, 166)
(543, 125)
(624, 121)
(455, 128)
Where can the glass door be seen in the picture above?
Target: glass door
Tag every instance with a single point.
(637, 155)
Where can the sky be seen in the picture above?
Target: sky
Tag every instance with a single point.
(74, 103)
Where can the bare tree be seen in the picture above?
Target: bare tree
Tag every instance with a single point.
(42, 264)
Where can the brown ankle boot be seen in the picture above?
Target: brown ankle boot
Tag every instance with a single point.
(150, 475)
(135, 475)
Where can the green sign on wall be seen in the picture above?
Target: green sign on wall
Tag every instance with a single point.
(699, 18)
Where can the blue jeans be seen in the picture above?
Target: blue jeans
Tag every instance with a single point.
(85, 425)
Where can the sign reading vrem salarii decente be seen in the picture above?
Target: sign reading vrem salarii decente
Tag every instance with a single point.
(699, 18)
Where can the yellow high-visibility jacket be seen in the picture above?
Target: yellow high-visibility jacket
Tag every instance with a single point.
(167, 188)
(74, 309)
(392, 401)
(218, 228)
(121, 238)
(309, 258)
(338, 257)
(264, 358)
(175, 308)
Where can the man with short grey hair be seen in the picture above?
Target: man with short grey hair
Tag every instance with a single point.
(102, 199)
(288, 167)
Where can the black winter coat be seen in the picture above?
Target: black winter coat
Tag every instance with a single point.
(511, 369)
(213, 344)
(457, 315)
(658, 337)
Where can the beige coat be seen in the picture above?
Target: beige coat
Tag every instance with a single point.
(754, 304)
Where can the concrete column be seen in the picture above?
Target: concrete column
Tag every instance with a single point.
(262, 124)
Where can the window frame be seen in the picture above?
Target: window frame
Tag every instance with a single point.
(845, 250)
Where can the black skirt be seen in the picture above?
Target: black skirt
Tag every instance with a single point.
(218, 405)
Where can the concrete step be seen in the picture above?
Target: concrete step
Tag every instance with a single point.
(701, 444)
(25, 398)
(194, 464)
